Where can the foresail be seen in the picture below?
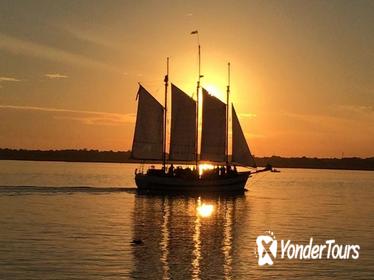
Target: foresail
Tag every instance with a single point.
(147, 143)
(240, 150)
(213, 129)
(183, 126)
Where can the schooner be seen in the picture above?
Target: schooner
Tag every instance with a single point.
(149, 143)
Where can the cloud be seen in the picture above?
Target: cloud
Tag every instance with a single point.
(102, 119)
(93, 34)
(355, 119)
(29, 48)
(358, 109)
(55, 76)
(9, 79)
(85, 117)
(248, 115)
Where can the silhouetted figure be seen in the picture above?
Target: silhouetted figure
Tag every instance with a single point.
(195, 173)
(178, 171)
(222, 170)
(171, 170)
(216, 171)
(268, 167)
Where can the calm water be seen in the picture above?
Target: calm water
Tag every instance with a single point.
(77, 221)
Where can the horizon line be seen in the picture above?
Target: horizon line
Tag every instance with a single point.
(129, 151)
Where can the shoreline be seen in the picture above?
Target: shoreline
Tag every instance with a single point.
(137, 162)
(84, 155)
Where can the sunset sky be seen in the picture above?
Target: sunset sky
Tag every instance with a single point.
(302, 71)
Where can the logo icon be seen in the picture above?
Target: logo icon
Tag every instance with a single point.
(266, 249)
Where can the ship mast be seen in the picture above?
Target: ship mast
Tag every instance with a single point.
(227, 114)
(197, 102)
(197, 112)
(166, 80)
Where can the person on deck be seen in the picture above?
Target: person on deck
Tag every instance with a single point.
(171, 170)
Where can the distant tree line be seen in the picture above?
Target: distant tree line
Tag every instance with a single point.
(351, 163)
(84, 155)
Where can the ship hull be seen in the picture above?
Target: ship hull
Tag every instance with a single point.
(230, 184)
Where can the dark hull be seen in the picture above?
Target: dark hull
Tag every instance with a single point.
(231, 184)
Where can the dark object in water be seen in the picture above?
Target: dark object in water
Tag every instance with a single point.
(137, 242)
(270, 168)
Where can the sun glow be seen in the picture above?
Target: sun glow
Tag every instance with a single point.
(205, 166)
(214, 90)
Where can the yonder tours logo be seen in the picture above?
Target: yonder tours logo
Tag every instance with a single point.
(267, 250)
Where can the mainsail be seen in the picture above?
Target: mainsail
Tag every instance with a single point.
(183, 126)
(213, 129)
(240, 150)
(147, 143)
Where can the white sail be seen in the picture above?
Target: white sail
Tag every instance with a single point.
(213, 129)
(183, 126)
(147, 143)
(240, 150)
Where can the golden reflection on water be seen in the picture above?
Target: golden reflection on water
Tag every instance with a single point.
(227, 241)
(196, 254)
(164, 243)
(203, 209)
(194, 237)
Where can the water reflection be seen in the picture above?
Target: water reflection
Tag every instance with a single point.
(227, 242)
(196, 254)
(204, 210)
(184, 237)
(164, 244)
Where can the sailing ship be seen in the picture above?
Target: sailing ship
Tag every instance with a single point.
(149, 143)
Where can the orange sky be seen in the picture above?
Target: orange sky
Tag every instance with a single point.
(302, 71)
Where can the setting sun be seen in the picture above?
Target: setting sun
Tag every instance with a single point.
(205, 166)
(215, 91)
(186, 139)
